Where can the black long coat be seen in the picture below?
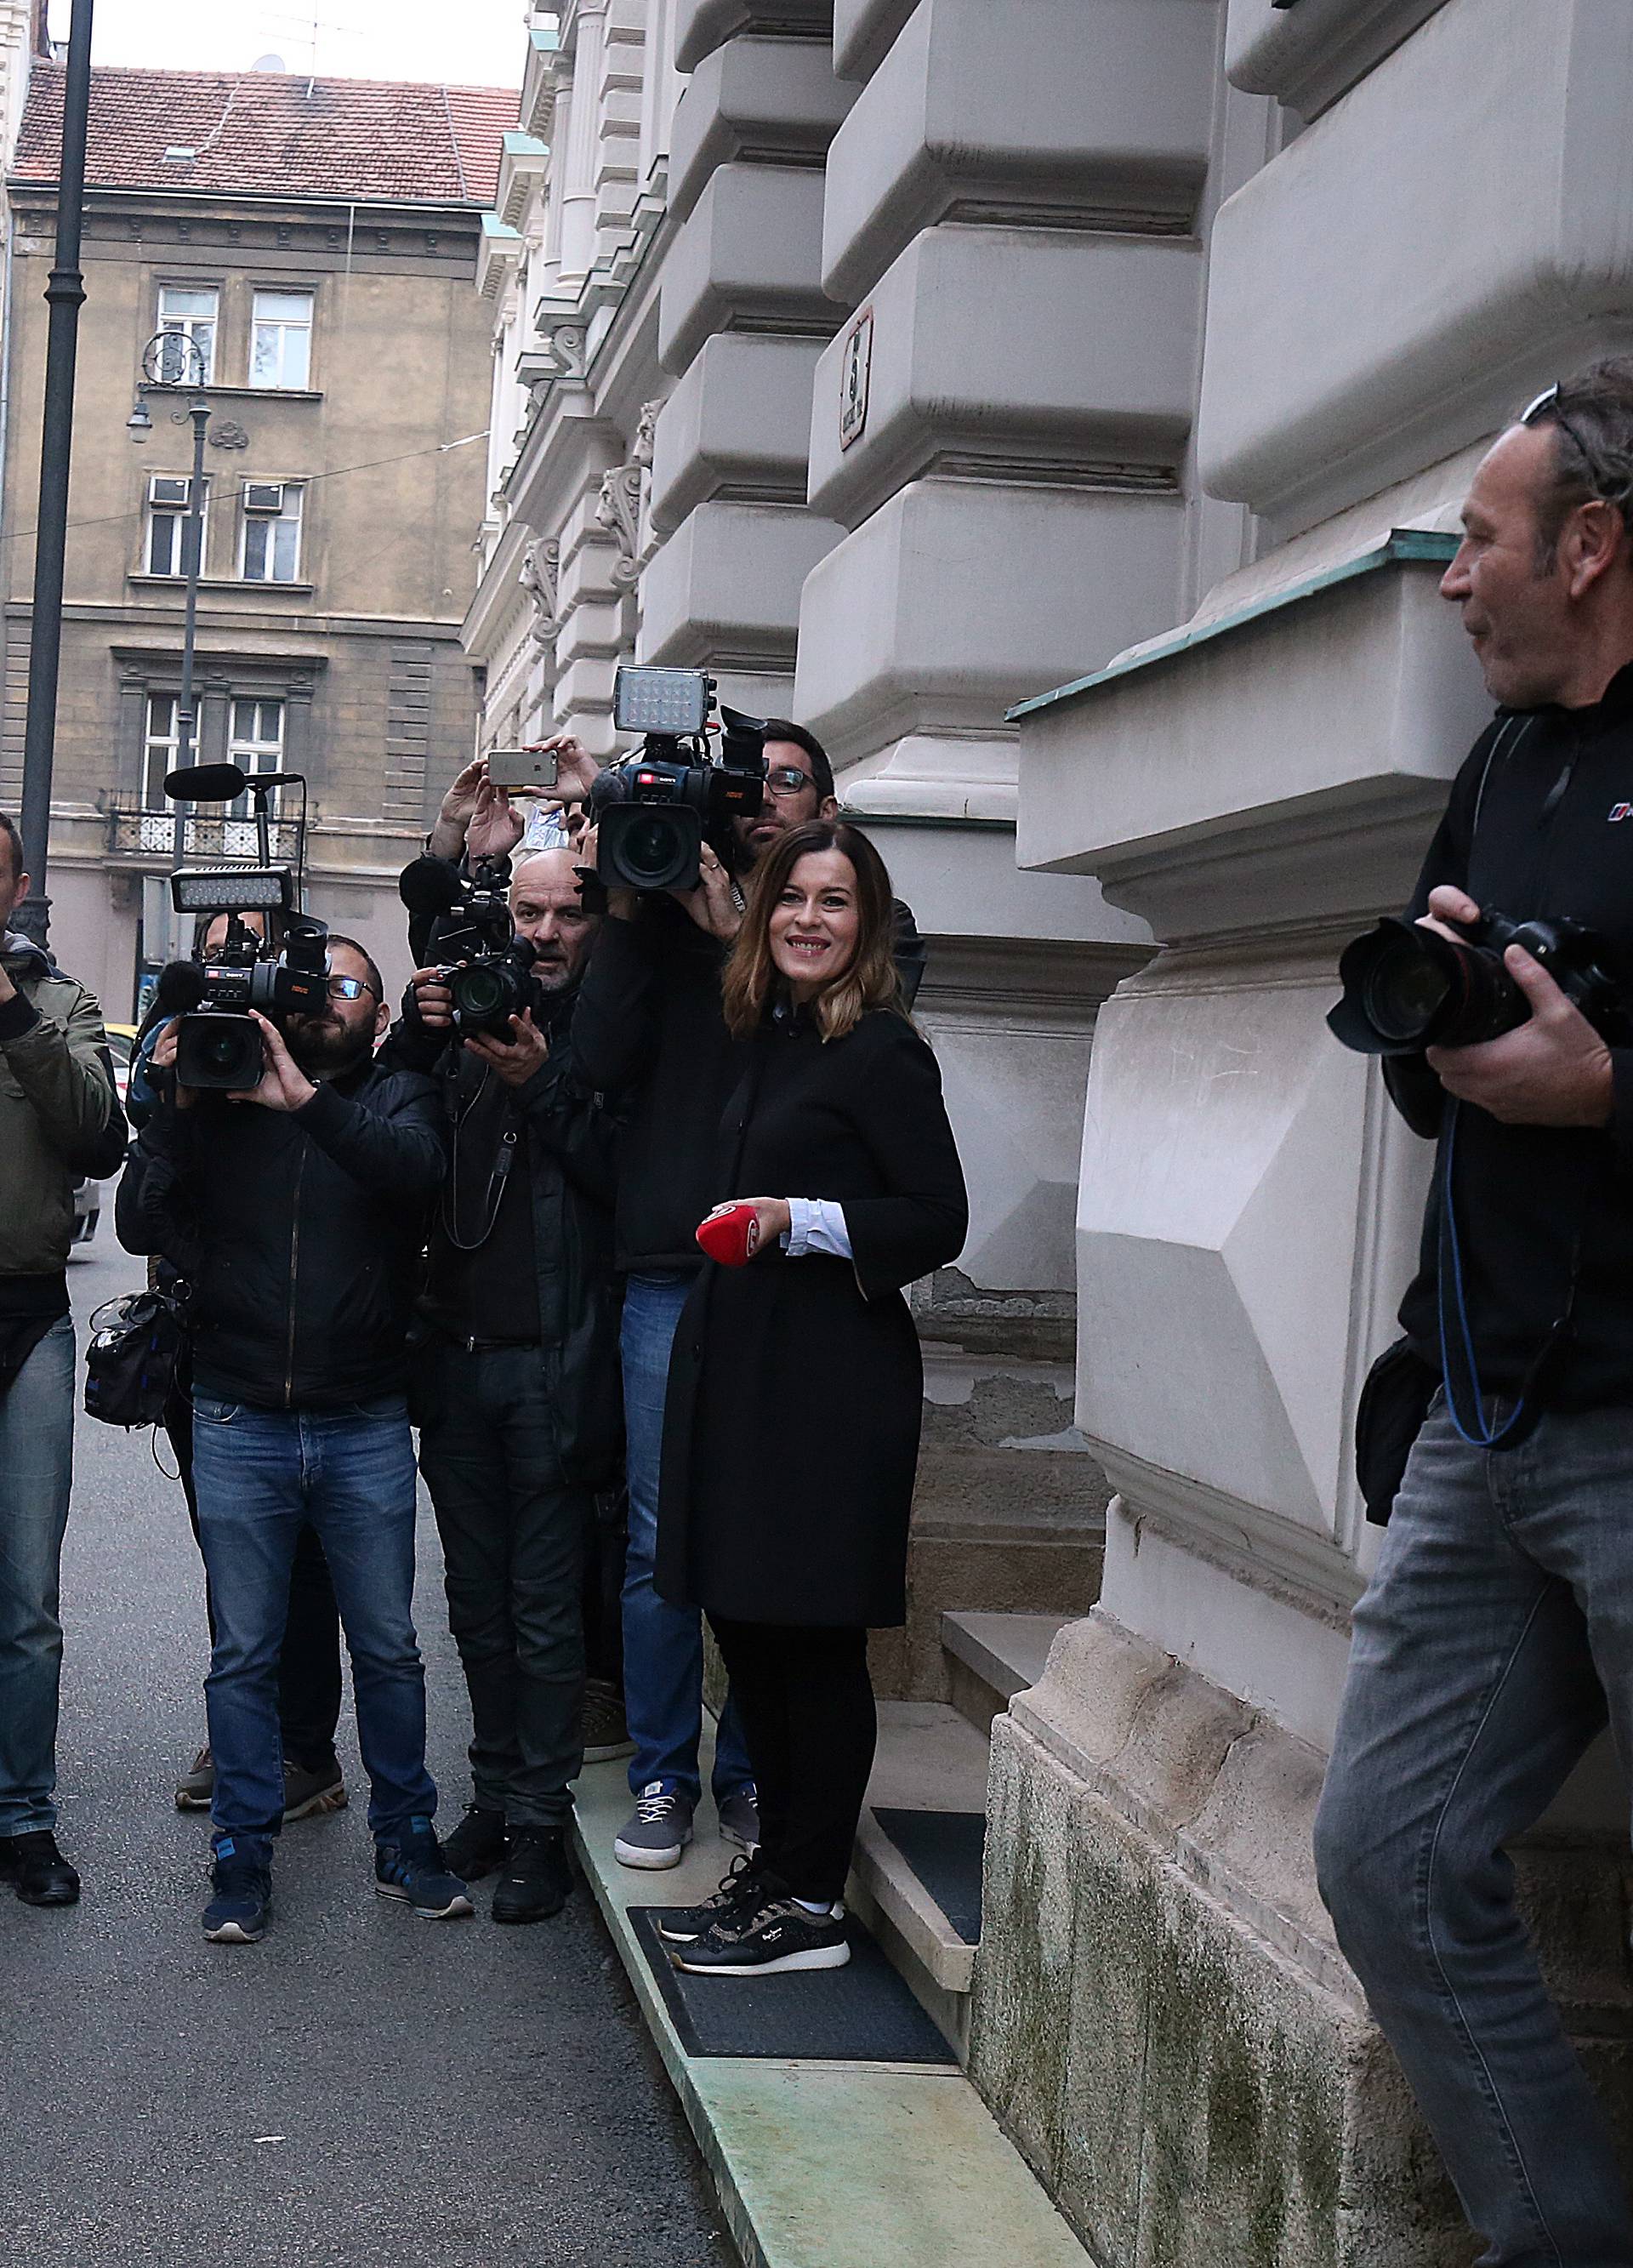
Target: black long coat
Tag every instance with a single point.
(795, 1388)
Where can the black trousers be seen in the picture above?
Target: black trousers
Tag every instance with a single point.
(515, 1534)
(603, 1588)
(806, 1704)
(309, 1687)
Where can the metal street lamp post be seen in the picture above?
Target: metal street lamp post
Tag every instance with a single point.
(65, 293)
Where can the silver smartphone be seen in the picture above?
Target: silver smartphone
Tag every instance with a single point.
(510, 767)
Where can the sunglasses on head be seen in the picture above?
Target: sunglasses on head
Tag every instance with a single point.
(1546, 404)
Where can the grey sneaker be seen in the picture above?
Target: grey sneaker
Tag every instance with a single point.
(307, 1794)
(739, 1818)
(195, 1789)
(658, 1830)
(605, 1730)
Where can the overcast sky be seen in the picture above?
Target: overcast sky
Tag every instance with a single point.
(472, 43)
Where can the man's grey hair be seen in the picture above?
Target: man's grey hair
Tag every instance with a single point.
(1591, 418)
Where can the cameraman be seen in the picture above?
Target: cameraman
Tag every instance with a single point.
(651, 1030)
(515, 1383)
(296, 1211)
(1499, 1628)
(59, 1119)
(309, 1673)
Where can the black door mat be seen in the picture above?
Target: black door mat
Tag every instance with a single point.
(861, 2013)
(944, 1850)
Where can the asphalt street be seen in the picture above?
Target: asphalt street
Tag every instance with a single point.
(361, 2087)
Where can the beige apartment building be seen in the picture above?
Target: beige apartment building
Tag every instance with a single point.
(314, 239)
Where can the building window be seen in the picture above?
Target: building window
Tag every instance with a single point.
(271, 545)
(168, 496)
(160, 751)
(280, 352)
(256, 745)
(190, 314)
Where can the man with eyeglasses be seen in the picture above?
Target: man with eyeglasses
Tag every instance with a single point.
(296, 1212)
(651, 1031)
(1495, 1638)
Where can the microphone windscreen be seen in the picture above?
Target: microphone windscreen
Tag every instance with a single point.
(180, 987)
(428, 886)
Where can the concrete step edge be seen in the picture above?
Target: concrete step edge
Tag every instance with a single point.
(879, 1873)
(998, 1655)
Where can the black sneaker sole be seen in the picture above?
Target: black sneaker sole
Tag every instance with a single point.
(63, 1897)
(812, 1956)
(547, 1912)
(233, 1933)
(456, 1910)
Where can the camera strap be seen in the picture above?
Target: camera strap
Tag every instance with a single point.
(493, 1197)
(1452, 1305)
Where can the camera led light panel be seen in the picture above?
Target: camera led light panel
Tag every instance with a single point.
(667, 701)
(232, 889)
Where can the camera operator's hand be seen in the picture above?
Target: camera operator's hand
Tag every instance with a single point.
(433, 1002)
(282, 1085)
(713, 903)
(1553, 1070)
(1447, 905)
(164, 1058)
(447, 837)
(576, 769)
(516, 1059)
(496, 826)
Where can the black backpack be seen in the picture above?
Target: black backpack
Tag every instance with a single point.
(131, 1365)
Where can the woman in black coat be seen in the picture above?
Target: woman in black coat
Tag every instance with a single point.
(791, 1428)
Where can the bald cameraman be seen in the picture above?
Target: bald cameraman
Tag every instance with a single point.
(515, 1383)
(1497, 1633)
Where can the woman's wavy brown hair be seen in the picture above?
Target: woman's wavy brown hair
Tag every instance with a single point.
(869, 981)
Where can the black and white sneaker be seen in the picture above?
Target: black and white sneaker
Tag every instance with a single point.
(744, 1883)
(763, 1941)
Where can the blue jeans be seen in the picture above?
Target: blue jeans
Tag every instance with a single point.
(663, 1644)
(259, 1474)
(1500, 1619)
(36, 1472)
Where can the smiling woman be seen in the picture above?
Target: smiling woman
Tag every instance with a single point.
(791, 1429)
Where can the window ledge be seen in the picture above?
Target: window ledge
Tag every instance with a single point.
(214, 393)
(222, 582)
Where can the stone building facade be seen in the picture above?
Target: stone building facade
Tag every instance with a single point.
(901, 360)
(315, 239)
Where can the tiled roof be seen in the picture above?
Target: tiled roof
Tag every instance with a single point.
(272, 132)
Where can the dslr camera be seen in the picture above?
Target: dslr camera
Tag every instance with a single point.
(487, 969)
(654, 812)
(217, 1045)
(1405, 988)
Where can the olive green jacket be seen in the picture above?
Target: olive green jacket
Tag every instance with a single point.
(60, 1119)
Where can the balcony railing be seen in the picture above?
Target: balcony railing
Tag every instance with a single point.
(137, 832)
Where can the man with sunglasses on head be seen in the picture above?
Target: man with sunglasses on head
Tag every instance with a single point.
(651, 1031)
(297, 1212)
(1497, 1637)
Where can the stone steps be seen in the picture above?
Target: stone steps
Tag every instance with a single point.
(992, 1657)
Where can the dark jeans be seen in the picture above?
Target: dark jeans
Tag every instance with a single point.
(806, 1704)
(262, 1475)
(36, 1472)
(515, 1533)
(1499, 1621)
(309, 1687)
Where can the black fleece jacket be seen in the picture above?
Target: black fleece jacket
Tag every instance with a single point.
(301, 1234)
(650, 1031)
(1554, 792)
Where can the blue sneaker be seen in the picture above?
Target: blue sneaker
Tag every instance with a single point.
(238, 1912)
(410, 1865)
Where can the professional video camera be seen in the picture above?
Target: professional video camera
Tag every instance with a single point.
(486, 968)
(284, 973)
(654, 811)
(1407, 988)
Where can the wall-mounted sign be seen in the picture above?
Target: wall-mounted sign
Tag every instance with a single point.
(854, 365)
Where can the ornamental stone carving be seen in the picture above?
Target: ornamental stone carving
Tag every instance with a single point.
(567, 349)
(227, 433)
(621, 506)
(540, 576)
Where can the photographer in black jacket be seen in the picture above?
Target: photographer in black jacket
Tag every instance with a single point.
(296, 1212)
(516, 1386)
(651, 1030)
(1499, 1628)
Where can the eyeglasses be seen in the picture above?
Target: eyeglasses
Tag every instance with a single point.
(782, 779)
(1548, 402)
(349, 988)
